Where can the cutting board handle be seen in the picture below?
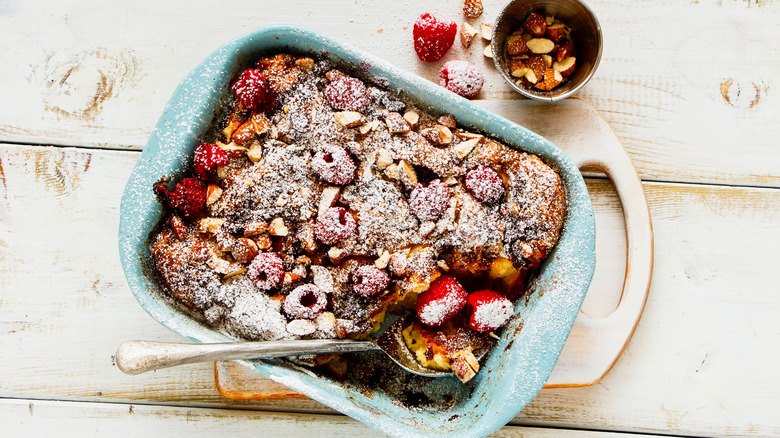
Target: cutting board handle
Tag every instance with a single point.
(595, 344)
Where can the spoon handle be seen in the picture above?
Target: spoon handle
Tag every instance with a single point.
(135, 357)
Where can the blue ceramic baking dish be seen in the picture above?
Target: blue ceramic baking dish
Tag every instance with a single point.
(523, 358)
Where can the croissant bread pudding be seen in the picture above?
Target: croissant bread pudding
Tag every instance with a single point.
(323, 203)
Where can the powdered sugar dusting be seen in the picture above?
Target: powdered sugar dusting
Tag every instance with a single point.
(398, 208)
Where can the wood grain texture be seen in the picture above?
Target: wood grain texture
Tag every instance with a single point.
(71, 419)
(701, 362)
(687, 86)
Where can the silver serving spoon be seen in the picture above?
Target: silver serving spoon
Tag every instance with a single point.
(135, 357)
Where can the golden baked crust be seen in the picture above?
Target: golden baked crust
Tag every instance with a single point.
(271, 196)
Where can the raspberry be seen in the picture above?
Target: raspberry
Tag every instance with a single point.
(429, 200)
(485, 184)
(334, 225)
(252, 90)
(462, 78)
(305, 301)
(333, 165)
(489, 310)
(266, 271)
(206, 160)
(347, 94)
(369, 280)
(441, 302)
(188, 196)
(432, 38)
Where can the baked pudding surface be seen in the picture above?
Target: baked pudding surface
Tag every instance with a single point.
(339, 202)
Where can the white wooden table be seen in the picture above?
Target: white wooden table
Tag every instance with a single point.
(689, 87)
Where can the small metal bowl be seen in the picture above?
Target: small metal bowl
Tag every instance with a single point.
(585, 31)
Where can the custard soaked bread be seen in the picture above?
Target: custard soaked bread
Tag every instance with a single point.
(323, 202)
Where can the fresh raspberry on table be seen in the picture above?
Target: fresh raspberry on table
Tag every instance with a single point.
(432, 37)
(485, 184)
(333, 164)
(347, 93)
(207, 158)
(334, 225)
(429, 200)
(462, 78)
(369, 280)
(266, 271)
(252, 90)
(305, 302)
(489, 310)
(188, 196)
(441, 302)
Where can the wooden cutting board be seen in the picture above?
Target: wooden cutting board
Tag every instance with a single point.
(594, 344)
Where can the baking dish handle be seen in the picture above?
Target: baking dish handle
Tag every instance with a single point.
(594, 345)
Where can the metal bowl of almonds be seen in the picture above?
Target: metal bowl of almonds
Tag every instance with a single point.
(547, 49)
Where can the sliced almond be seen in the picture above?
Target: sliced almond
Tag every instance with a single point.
(515, 44)
(231, 127)
(464, 148)
(263, 242)
(467, 34)
(328, 198)
(466, 135)
(383, 158)
(301, 327)
(213, 192)
(210, 225)
(396, 124)
(488, 52)
(516, 68)
(555, 31)
(531, 76)
(290, 278)
(411, 118)
(367, 127)
(244, 250)
(260, 123)
(335, 254)
(233, 150)
(448, 120)
(393, 172)
(325, 321)
(383, 260)
(486, 30)
(255, 152)
(255, 228)
(552, 78)
(178, 227)
(244, 133)
(540, 45)
(438, 135)
(349, 119)
(565, 66)
(409, 171)
(278, 228)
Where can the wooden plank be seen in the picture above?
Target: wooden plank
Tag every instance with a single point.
(70, 419)
(100, 76)
(701, 361)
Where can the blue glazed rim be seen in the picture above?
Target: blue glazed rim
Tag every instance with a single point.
(524, 356)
